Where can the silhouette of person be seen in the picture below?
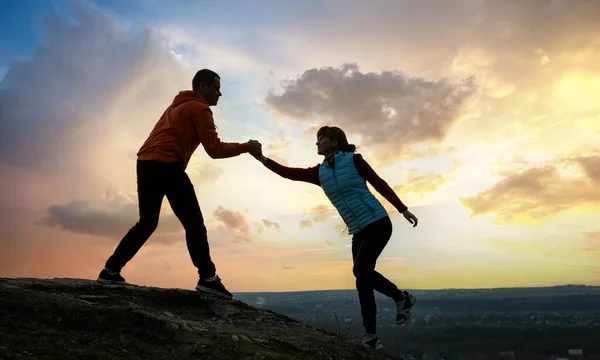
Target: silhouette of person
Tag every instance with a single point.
(343, 175)
(161, 163)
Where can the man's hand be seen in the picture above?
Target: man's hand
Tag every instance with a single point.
(411, 218)
(255, 148)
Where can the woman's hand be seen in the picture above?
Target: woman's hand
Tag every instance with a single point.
(410, 217)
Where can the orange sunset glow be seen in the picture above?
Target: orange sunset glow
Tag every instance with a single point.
(483, 116)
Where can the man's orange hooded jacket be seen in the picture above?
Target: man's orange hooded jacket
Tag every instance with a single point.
(185, 124)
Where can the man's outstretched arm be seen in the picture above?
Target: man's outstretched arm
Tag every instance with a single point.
(209, 138)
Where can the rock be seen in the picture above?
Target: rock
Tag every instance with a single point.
(224, 311)
(85, 302)
(135, 320)
(199, 329)
(84, 296)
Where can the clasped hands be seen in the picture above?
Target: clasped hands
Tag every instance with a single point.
(255, 148)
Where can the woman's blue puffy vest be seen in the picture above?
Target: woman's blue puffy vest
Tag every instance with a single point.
(348, 192)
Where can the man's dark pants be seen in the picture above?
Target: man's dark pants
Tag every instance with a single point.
(155, 180)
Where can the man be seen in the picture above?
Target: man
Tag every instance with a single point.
(161, 163)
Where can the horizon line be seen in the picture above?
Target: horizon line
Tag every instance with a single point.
(348, 289)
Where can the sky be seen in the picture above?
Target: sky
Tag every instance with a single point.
(482, 115)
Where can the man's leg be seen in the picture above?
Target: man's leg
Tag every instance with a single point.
(183, 200)
(150, 183)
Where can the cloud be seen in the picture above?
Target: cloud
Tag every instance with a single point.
(219, 51)
(591, 167)
(341, 228)
(539, 191)
(387, 109)
(266, 224)
(305, 224)
(89, 83)
(269, 224)
(416, 182)
(233, 222)
(232, 219)
(80, 218)
(421, 184)
(322, 213)
(592, 240)
(279, 141)
(535, 63)
(75, 113)
(205, 172)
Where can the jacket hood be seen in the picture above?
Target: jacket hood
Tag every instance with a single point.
(188, 95)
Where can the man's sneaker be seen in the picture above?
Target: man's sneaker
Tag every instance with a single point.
(404, 308)
(108, 277)
(213, 285)
(373, 343)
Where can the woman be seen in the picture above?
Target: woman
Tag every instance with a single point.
(343, 175)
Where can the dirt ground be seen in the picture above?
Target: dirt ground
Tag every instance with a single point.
(81, 319)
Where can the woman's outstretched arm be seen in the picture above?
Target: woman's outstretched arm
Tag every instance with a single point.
(309, 175)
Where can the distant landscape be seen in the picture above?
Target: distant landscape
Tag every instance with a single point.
(518, 323)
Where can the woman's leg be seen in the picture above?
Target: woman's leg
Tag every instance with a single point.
(366, 296)
(366, 248)
(371, 242)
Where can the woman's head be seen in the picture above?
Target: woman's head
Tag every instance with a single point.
(330, 139)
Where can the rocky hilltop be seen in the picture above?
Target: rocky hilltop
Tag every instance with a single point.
(81, 319)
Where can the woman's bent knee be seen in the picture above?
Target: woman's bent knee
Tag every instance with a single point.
(147, 225)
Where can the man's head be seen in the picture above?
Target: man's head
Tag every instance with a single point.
(208, 84)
